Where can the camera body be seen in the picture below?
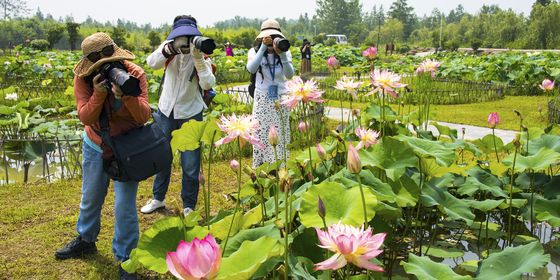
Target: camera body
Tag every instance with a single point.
(204, 44)
(116, 73)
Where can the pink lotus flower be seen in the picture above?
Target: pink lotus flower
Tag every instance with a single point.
(242, 127)
(273, 136)
(350, 245)
(298, 91)
(353, 162)
(385, 80)
(348, 85)
(370, 53)
(547, 85)
(321, 152)
(199, 259)
(367, 137)
(302, 126)
(332, 62)
(493, 119)
(428, 66)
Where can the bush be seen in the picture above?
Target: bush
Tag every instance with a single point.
(330, 42)
(475, 44)
(403, 49)
(39, 44)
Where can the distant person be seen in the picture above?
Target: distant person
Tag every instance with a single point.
(187, 73)
(93, 94)
(305, 57)
(229, 49)
(271, 60)
(389, 48)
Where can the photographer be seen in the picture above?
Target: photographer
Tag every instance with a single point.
(271, 60)
(187, 75)
(305, 57)
(97, 94)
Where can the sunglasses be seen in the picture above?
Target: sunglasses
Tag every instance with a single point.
(106, 51)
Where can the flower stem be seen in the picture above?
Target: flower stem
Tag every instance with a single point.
(363, 199)
(238, 197)
(510, 226)
(286, 230)
(277, 186)
(495, 147)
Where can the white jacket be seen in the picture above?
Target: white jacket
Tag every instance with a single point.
(178, 94)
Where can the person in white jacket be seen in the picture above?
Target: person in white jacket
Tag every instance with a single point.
(187, 74)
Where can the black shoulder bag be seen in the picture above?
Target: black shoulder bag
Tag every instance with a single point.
(136, 154)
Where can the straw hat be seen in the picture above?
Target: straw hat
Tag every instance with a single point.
(95, 43)
(270, 27)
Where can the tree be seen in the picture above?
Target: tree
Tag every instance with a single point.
(55, 31)
(543, 2)
(72, 30)
(335, 16)
(13, 8)
(401, 11)
(154, 38)
(119, 35)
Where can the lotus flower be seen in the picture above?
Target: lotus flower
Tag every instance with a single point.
(321, 152)
(370, 53)
(321, 210)
(547, 85)
(301, 92)
(273, 136)
(242, 127)
(332, 62)
(302, 126)
(234, 165)
(348, 85)
(354, 164)
(367, 137)
(428, 65)
(199, 259)
(11, 96)
(350, 245)
(493, 120)
(385, 80)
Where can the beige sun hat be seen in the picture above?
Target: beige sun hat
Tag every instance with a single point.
(95, 43)
(270, 27)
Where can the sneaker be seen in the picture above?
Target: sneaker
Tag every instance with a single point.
(187, 211)
(75, 249)
(152, 205)
(123, 275)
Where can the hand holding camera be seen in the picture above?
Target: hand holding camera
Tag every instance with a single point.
(182, 44)
(99, 85)
(278, 44)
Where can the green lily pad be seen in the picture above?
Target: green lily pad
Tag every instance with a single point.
(426, 269)
(512, 262)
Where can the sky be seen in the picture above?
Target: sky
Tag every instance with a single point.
(207, 12)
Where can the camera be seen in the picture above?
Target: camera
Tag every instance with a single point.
(115, 72)
(281, 43)
(204, 44)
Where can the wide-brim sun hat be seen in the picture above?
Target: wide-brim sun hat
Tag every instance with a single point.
(270, 27)
(95, 43)
(184, 27)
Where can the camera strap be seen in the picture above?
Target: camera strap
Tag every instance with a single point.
(271, 68)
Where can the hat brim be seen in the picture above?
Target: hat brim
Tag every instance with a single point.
(85, 67)
(268, 32)
(183, 30)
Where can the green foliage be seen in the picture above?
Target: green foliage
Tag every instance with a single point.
(424, 268)
(39, 44)
(512, 262)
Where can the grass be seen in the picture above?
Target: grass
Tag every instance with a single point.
(477, 113)
(38, 219)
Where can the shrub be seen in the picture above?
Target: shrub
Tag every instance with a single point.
(475, 44)
(39, 44)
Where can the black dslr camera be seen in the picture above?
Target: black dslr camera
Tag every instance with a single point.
(116, 73)
(281, 43)
(204, 44)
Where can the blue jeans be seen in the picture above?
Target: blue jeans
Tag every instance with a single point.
(190, 163)
(94, 189)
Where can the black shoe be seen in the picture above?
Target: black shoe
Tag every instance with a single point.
(75, 249)
(123, 275)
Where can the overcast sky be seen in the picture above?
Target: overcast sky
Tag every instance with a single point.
(208, 12)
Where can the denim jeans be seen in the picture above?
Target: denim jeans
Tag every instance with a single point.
(190, 163)
(94, 189)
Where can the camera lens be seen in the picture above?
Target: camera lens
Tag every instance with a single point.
(282, 44)
(205, 44)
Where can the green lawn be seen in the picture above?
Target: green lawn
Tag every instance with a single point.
(38, 219)
(477, 113)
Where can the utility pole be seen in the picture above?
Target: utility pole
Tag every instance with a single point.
(441, 31)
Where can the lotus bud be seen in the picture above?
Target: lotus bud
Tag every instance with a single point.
(517, 141)
(356, 113)
(285, 181)
(547, 85)
(321, 152)
(353, 161)
(524, 128)
(493, 119)
(263, 175)
(273, 136)
(321, 207)
(302, 127)
(310, 176)
(234, 165)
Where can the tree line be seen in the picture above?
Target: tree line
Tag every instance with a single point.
(491, 27)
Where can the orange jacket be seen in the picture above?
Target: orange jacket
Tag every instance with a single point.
(134, 112)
